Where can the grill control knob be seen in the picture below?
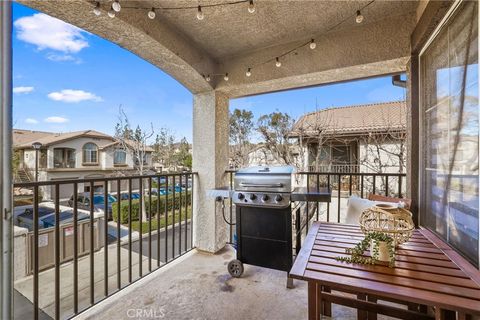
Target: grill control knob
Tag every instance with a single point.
(253, 196)
(241, 196)
(265, 197)
(278, 198)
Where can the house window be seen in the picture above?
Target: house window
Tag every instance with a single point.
(119, 157)
(450, 124)
(63, 158)
(90, 153)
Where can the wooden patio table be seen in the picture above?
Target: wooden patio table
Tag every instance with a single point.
(427, 273)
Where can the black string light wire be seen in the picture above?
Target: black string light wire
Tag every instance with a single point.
(115, 7)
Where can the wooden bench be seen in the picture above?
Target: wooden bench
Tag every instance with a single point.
(429, 278)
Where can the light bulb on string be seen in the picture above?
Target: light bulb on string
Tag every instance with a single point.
(111, 13)
(116, 6)
(251, 7)
(200, 14)
(359, 17)
(207, 78)
(277, 62)
(249, 72)
(226, 77)
(96, 10)
(313, 45)
(151, 14)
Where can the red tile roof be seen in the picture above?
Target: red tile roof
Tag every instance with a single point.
(358, 119)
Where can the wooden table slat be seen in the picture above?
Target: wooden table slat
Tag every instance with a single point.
(360, 274)
(401, 272)
(427, 271)
(400, 264)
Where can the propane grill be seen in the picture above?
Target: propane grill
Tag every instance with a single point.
(267, 187)
(263, 197)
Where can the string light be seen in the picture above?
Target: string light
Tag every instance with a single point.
(359, 17)
(251, 7)
(277, 62)
(96, 10)
(151, 14)
(200, 14)
(116, 6)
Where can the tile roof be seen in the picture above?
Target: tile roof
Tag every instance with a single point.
(25, 138)
(357, 119)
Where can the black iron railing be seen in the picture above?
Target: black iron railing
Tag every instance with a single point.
(165, 200)
(342, 185)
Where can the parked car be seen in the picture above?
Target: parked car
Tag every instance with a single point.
(46, 215)
(83, 202)
(125, 196)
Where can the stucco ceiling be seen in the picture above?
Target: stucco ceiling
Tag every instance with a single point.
(230, 39)
(231, 30)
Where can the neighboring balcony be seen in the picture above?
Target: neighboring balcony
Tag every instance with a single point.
(63, 158)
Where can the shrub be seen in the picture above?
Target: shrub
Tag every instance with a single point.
(136, 206)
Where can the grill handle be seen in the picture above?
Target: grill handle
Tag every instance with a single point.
(260, 185)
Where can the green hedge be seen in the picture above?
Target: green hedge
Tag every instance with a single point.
(136, 206)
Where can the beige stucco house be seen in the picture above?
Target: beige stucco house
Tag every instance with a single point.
(72, 156)
(360, 138)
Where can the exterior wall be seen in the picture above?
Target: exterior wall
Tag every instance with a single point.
(261, 157)
(370, 157)
(29, 158)
(20, 252)
(78, 144)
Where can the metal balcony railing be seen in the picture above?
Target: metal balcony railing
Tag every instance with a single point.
(342, 185)
(166, 201)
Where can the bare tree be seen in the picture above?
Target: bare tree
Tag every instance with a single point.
(164, 147)
(241, 129)
(134, 142)
(275, 130)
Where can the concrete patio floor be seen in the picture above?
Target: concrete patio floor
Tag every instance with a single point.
(198, 286)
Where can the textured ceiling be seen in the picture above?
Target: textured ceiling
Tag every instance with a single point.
(231, 30)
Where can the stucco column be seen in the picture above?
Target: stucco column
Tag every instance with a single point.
(210, 160)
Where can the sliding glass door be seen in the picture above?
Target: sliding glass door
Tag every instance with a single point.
(450, 125)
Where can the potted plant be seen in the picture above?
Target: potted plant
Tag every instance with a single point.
(381, 247)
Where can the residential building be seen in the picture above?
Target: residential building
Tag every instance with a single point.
(72, 156)
(360, 138)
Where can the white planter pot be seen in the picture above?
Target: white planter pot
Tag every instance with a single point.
(382, 250)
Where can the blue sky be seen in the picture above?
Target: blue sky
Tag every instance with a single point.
(66, 79)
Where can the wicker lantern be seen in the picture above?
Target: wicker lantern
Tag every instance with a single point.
(395, 222)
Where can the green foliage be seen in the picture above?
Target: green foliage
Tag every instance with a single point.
(124, 210)
(275, 129)
(357, 251)
(163, 222)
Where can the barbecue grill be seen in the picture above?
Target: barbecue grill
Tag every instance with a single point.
(262, 197)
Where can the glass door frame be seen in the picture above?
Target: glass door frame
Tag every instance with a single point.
(421, 161)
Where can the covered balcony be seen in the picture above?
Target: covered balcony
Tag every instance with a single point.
(223, 50)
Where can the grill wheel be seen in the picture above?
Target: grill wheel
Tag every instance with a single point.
(235, 268)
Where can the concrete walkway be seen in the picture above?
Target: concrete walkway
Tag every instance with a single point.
(24, 287)
(198, 286)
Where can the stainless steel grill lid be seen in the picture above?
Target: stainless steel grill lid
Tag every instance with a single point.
(265, 179)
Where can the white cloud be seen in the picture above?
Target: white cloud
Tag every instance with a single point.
(56, 119)
(20, 90)
(46, 32)
(62, 57)
(31, 121)
(73, 96)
